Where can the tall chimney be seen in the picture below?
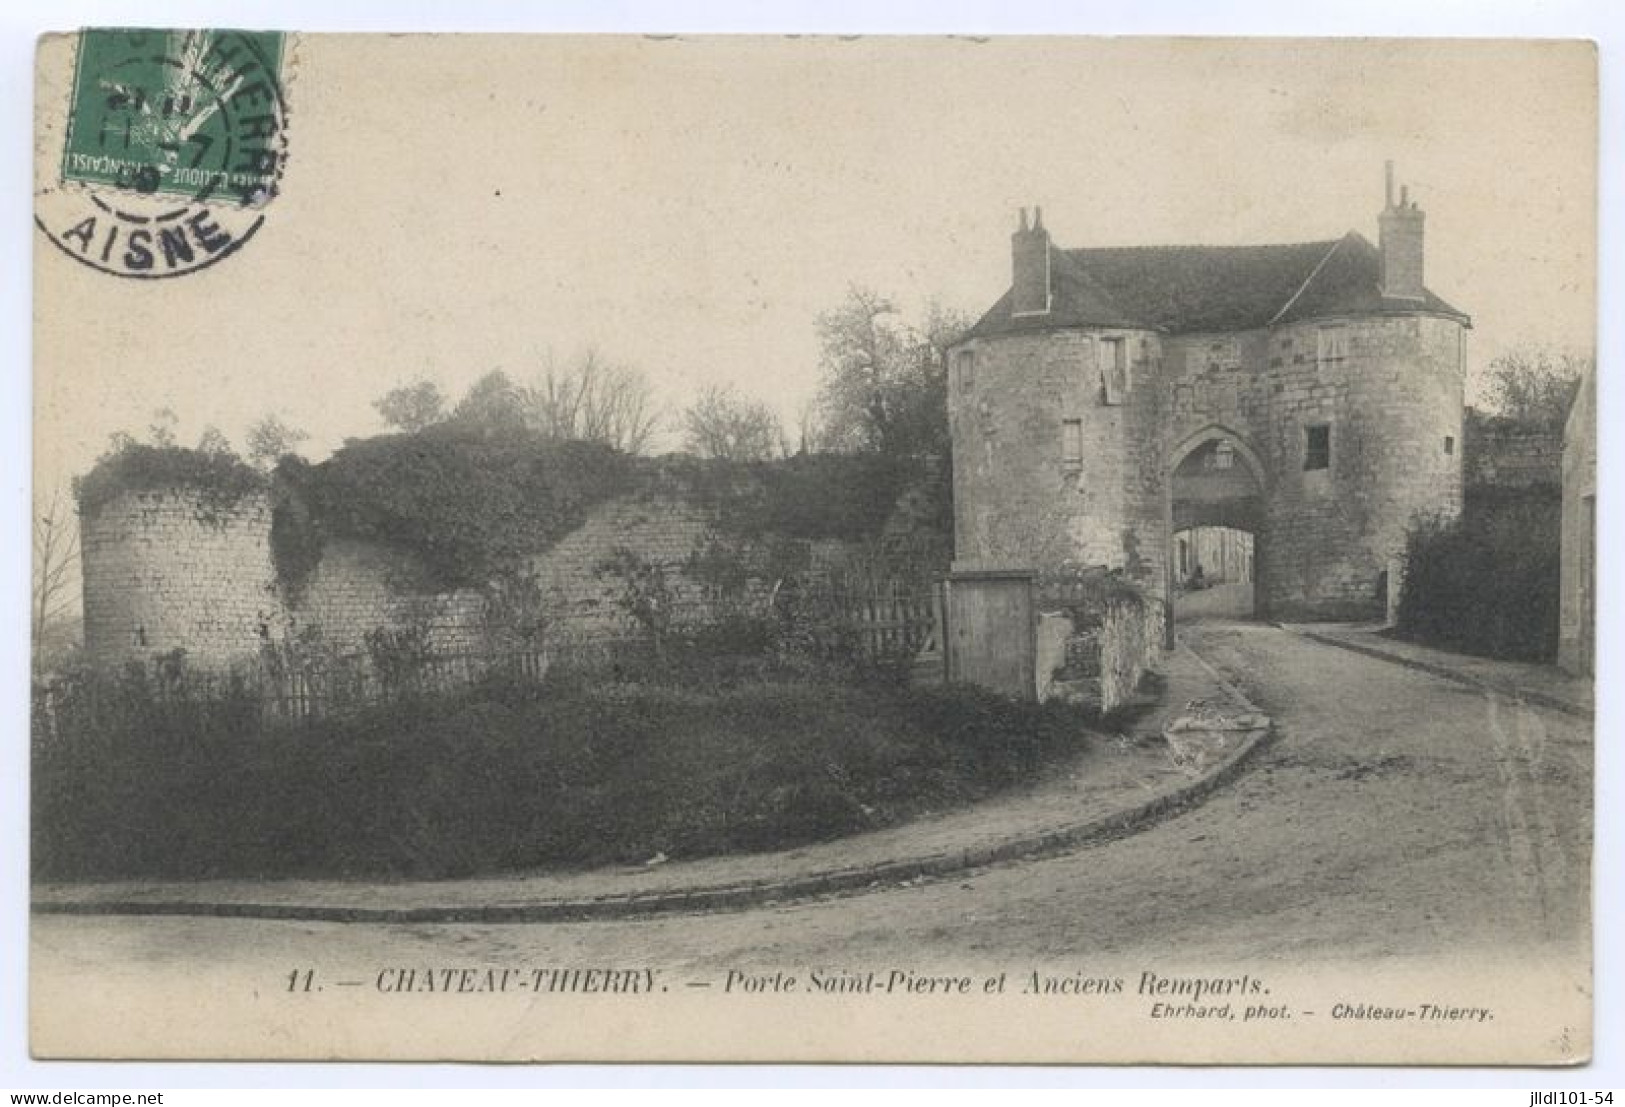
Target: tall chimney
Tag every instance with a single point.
(1399, 236)
(1029, 263)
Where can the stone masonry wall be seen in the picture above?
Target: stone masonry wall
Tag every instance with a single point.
(362, 586)
(1025, 496)
(1107, 652)
(158, 578)
(1576, 636)
(1130, 642)
(164, 571)
(662, 529)
(1220, 380)
(1331, 537)
(1511, 456)
(1393, 406)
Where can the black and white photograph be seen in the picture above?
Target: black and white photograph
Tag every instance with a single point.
(927, 549)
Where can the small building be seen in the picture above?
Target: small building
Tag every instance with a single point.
(1577, 589)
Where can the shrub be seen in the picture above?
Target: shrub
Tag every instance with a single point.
(1487, 583)
(511, 776)
(514, 611)
(467, 503)
(644, 592)
(221, 479)
(813, 496)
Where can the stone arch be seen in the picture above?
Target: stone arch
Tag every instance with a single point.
(1217, 432)
(1245, 512)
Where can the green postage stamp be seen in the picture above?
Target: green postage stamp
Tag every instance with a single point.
(184, 113)
(172, 144)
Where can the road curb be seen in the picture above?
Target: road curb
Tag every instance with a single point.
(1445, 672)
(1034, 846)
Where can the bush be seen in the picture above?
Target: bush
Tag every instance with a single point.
(815, 496)
(1487, 583)
(468, 504)
(511, 776)
(221, 480)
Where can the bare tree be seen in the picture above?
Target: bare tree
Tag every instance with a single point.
(269, 439)
(724, 424)
(594, 400)
(56, 558)
(554, 402)
(411, 407)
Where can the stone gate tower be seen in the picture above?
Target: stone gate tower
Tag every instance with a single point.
(1308, 393)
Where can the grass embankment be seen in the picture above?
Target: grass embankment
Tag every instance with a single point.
(502, 779)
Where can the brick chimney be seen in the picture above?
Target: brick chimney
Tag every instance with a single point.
(1029, 261)
(1400, 239)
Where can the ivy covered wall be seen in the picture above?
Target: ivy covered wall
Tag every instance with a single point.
(462, 541)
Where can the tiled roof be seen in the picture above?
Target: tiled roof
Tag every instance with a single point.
(1184, 289)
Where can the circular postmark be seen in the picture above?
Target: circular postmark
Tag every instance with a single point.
(172, 147)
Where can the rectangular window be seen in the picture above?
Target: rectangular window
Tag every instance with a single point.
(1449, 445)
(1333, 344)
(1317, 446)
(1224, 355)
(1072, 443)
(1113, 370)
(965, 365)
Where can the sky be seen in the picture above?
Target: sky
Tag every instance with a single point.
(457, 204)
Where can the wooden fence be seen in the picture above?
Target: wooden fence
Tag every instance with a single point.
(90, 702)
(352, 682)
(893, 621)
(883, 621)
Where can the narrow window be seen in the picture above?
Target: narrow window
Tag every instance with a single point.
(1317, 446)
(1072, 443)
(1224, 455)
(1113, 370)
(1333, 345)
(1449, 445)
(966, 363)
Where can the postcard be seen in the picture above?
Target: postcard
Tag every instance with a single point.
(844, 549)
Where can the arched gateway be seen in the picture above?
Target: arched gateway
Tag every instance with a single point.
(1217, 489)
(1291, 408)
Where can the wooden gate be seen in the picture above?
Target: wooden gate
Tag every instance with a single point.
(990, 637)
